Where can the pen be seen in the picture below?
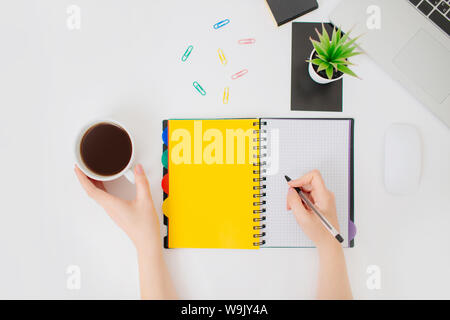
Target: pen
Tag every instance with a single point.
(325, 222)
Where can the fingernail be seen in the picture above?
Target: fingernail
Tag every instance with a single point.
(139, 169)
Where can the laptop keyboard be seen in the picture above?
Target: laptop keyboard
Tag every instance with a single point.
(437, 11)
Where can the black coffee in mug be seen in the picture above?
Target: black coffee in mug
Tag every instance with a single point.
(106, 149)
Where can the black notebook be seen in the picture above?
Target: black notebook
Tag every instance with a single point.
(307, 95)
(286, 10)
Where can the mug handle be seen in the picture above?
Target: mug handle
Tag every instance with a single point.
(129, 174)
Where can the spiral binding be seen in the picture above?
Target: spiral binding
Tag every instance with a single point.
(260, 136)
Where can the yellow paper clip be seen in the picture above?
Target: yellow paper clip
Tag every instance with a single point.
(226, 94)
(222, 58)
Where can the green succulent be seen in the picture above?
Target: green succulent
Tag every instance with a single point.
(332, 55)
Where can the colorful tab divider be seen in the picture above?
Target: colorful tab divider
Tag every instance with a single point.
(165, 180)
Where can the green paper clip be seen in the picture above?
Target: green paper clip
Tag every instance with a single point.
(187, 53)
(199, 88)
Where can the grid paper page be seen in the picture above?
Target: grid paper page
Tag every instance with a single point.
(304, 145)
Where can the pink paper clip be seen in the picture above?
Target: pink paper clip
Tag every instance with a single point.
(239, 74)
(247, 41)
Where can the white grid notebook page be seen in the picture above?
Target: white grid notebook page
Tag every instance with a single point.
(304, 145)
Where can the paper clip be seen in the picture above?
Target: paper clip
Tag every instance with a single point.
(247, 41)
(222, 23)
(222, 58)
(199, 88)
(239, 74)
(187, 53)
(226, 94)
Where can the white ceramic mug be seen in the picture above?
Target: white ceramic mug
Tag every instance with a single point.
(127, 171)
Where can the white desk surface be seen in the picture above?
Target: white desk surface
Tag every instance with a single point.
(125, 63)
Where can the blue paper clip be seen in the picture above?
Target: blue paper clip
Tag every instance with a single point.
(187, 53)
(199, 88)
(222, 23)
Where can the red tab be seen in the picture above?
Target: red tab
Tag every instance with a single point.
(165, 183)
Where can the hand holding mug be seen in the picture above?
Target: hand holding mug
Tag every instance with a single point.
(104, 151)
(137, 217)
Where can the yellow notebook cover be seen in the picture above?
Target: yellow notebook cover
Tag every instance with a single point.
(210, 188)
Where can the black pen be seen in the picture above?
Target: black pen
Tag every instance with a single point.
(325, 222)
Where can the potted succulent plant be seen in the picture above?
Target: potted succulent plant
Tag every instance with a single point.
(328, 61)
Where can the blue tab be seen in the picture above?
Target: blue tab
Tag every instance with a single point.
(165, 136)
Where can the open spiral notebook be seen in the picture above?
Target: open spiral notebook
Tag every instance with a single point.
(224, 185)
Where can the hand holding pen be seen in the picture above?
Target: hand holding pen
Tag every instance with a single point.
(316, 212)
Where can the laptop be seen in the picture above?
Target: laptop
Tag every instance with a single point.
(410, 39)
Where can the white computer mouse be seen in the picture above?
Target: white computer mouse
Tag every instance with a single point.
(402, 159)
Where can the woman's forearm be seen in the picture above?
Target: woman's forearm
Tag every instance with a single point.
(333, 278)
(154, 278)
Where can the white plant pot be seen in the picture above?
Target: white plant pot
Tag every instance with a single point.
(315, 76)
